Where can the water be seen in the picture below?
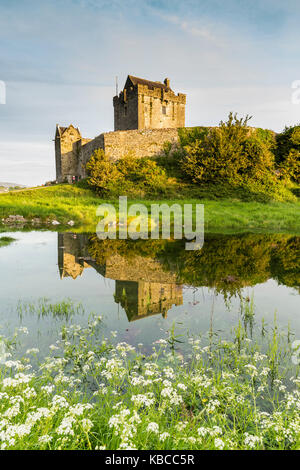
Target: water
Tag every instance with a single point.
(141, 288)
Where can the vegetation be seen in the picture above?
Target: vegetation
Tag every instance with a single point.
(288, 153)
(129, 175)
(231, 155)
(90, 393)
(234, 154)
(248, 179)
(225, 263)
(223, 213)
(4, 241)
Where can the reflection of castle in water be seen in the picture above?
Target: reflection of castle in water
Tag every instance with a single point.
(148, 274)
(142, 287)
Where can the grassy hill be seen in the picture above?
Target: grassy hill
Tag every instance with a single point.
(223, 213)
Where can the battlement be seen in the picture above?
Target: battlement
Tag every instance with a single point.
(144, 104)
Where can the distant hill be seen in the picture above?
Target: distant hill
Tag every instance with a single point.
(11, 185)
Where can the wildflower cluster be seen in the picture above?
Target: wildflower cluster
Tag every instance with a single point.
(91, 394)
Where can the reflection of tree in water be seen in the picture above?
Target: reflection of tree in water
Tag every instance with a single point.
(285, 262)
(226, 263)
(150, 274)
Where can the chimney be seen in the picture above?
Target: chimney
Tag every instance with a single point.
(167, 82)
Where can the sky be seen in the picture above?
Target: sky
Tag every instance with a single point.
(59, 60)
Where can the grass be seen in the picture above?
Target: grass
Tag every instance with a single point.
(71, 202)
(5, 241)
(91, 393)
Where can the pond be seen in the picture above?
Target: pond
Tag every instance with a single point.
(142, 288)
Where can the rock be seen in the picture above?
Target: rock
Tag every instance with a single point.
(36, 220)
(55, 222)
(12, 219)
(71, 222)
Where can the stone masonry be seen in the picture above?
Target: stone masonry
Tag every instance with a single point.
(148, 105)
(147, 115)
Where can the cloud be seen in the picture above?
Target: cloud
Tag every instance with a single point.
(26, 163)
(190, 28)
(59, 61)
(271, 107)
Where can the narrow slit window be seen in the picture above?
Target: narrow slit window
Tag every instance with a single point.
(164, 110)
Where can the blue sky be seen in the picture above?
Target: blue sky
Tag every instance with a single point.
(59, 60)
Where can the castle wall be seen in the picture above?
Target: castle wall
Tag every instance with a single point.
(144, 108)
(58, 160)
(143, 143)
(66, 154)
(126, 112)
(85, 150)
(147, 114)
(159, 109)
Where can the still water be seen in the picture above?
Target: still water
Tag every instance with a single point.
(142, 288)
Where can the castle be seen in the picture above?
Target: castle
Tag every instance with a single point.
(146, 115)
(142, 286)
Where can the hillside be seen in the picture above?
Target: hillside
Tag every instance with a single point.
(70, 202)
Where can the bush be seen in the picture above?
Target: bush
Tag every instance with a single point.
(288, 153)
(236, 154)
(129, 175)
(102, 172)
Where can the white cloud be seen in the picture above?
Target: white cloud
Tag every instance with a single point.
(195, 29)
(271, 107)
(27, 163)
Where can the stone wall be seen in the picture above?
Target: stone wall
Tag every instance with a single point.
(126, 113)
(85, 150)
(160, 109)
(72, 152)
(142, 143)
(144, 108)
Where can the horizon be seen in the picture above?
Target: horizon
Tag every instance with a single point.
(59, 62)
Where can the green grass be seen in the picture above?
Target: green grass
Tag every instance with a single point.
(91, 393)
(224, 211)
(5, 241)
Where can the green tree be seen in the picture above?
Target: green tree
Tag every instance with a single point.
(102, 172)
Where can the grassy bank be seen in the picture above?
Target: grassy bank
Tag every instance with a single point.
(67, 202)
(5, 241)
(90, 393)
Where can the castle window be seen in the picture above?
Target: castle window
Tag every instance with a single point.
(125, 110)
(164, 109)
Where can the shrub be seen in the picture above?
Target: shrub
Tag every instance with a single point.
(290, 166)
(127, 175)
(288, 153)
(286, 141)
(236, 154)
(102, 172)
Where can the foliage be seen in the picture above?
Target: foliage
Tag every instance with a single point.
(225, 207)
(89, 393)
(226, 263)
(189, 135)
(288, 152)
(287, 140)
(5, 241)
(238, 155)
(290, 166)
(102, 172)
(129, 175)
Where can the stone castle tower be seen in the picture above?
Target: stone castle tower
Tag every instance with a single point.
(144, 104)
(142, 287)
(146, 114)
